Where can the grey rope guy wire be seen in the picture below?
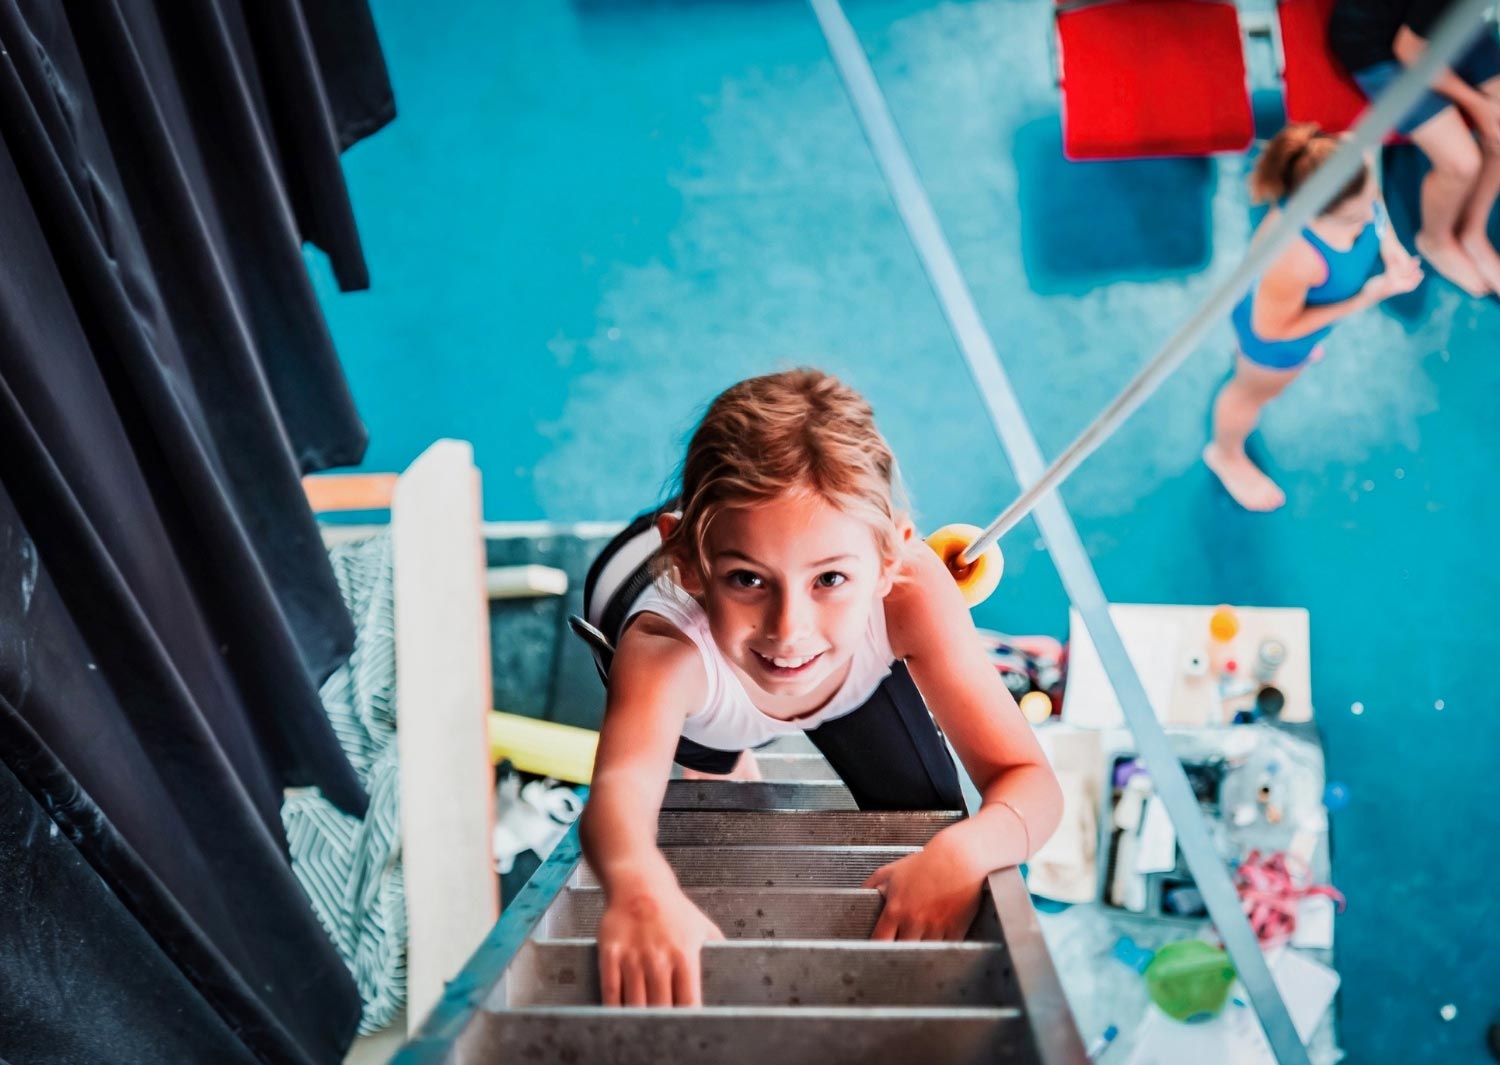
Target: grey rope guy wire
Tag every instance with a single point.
(1306, 203)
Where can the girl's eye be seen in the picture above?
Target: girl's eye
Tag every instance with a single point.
(831, 579)
(743, 578)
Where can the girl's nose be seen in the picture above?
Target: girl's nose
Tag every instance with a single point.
(789, 618)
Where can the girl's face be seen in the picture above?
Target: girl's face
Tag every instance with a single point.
(791, 586)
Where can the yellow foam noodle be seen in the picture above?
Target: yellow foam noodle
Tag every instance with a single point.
(543, 747)
(979, 580)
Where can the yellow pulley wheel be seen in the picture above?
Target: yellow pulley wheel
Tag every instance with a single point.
(1036, 707)
(981, 577)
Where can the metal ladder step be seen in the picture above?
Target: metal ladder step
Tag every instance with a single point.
(565, 972)
(730, 1035)
(682, 828)
(742, 913)
(770, 867)
(757, 795)
(794, 766)
(791, 743)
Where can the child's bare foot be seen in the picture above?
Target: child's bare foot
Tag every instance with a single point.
(1448, 258)
(1243, 480)
(1482, 254)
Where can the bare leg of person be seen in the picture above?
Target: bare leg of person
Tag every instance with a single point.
(1474, 225)
(1237, 409)
(1446, 192)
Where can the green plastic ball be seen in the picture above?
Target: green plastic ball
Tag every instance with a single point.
(1190, 980)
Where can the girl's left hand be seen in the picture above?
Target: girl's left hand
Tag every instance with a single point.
(933, 895)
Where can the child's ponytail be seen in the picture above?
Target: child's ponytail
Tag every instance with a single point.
(1291, 157)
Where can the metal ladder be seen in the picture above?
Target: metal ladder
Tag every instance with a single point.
(777, 866)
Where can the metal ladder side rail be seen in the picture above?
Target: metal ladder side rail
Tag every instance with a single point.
(483, 974)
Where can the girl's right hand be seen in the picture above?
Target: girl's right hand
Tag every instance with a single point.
(1396, 281)
(651, 947)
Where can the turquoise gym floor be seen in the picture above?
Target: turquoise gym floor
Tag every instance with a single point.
(592, 215)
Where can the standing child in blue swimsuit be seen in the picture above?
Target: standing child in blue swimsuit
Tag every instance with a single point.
(1321, 278)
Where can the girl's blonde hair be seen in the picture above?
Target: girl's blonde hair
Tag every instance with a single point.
(800, 431)
(1289, 160)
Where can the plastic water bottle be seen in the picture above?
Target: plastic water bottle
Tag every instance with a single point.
(1268, 659)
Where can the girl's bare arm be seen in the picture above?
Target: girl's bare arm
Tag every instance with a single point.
(934, 894)
(1280, 311)
(650, 934)
(1022, 800)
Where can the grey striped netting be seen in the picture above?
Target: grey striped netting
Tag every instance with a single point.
(351, 869)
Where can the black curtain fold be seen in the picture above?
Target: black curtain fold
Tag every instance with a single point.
(53, 1007)
(107, 904)
(167, 611)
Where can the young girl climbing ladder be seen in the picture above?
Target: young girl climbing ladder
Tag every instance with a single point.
(788, 594)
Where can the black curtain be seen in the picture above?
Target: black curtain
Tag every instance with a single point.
(167, 611)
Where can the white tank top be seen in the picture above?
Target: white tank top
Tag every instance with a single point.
(728, 720)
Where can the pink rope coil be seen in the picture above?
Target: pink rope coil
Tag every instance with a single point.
(1270, 894)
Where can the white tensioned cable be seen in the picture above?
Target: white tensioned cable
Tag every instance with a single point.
(1447, 41)
(1056, 525)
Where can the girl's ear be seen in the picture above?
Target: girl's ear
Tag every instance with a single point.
(689, 579)
(685, 574)
(890, 568)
